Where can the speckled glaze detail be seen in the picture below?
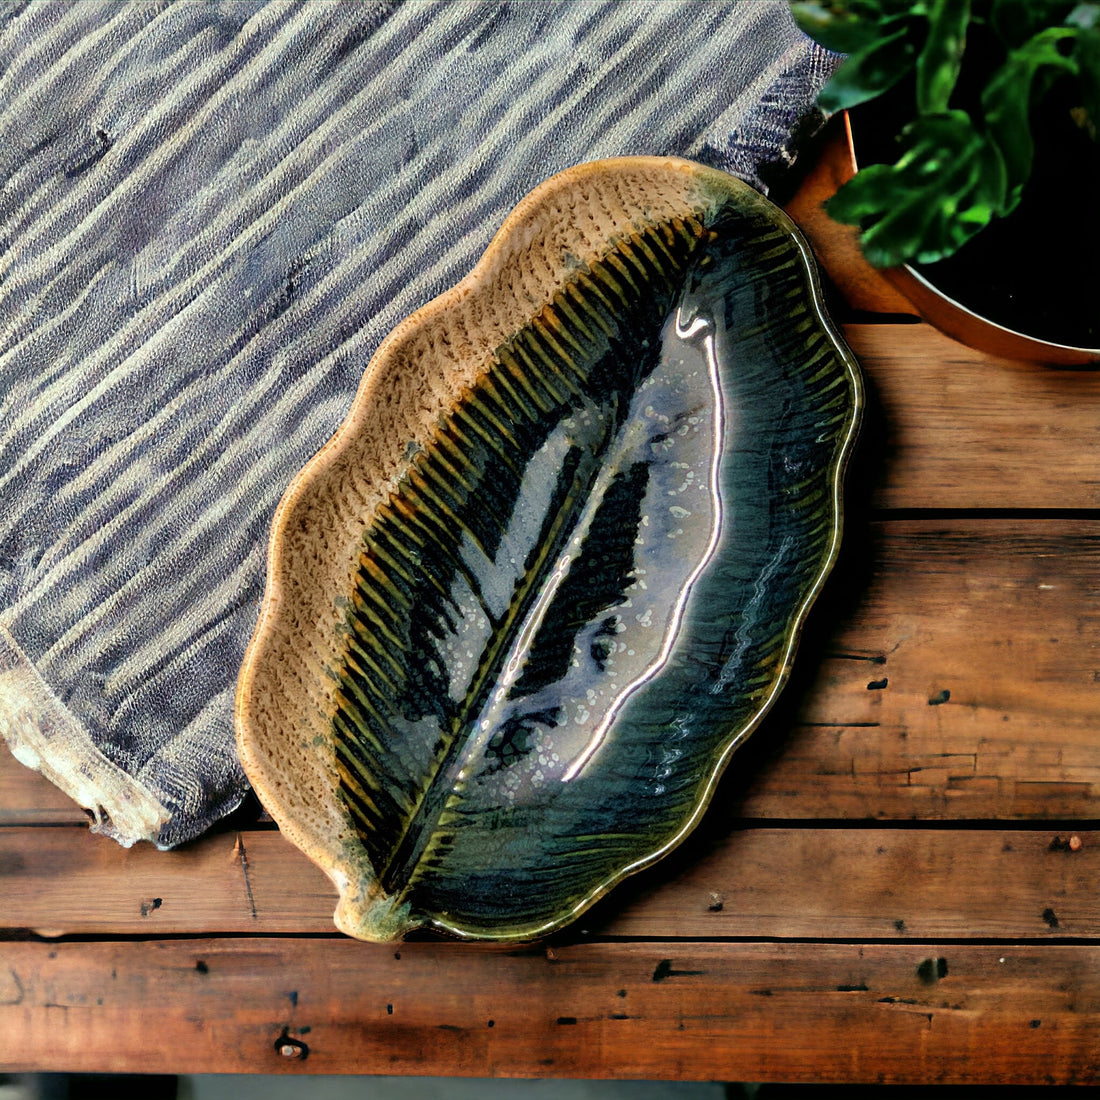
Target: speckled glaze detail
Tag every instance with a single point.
(552, 568)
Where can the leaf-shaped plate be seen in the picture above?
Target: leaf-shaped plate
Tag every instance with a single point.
(552, 568)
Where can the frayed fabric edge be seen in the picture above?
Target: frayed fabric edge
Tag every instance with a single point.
(44, 735)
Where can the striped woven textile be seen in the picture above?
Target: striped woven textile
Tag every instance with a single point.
(210, 215)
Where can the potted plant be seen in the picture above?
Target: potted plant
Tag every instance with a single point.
(974, 123)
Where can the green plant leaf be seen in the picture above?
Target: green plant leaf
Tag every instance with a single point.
(1021, 81)
(956, 172)
(867, 73)
(948, 184)
(841, 33)
(849, 26)
(940, 59)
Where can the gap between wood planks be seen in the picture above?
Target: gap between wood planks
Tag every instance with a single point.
(553, 942)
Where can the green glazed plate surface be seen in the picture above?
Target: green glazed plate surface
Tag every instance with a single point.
(553, 567)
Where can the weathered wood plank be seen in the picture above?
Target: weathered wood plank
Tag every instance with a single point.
(866, 883)
(732, 1011)
(952, 671)
(960, 678)
(66, 880)
(798, 883)
(950, 427)
(27, 798)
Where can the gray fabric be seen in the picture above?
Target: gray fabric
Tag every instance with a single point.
(211, 214)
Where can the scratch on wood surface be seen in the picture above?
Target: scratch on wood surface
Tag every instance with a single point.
(870, 658)
(1043, 788)
(11, 989)
(664, 970)
(243, 856)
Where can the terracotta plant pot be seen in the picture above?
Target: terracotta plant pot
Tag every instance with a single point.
(962, 323)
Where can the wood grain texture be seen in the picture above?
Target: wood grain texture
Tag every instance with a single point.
(1000, 613)
(950, 427)
(723, 1011)
(799, 883)
(961, 680)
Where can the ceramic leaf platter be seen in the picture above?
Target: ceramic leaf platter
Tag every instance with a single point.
(552, 568)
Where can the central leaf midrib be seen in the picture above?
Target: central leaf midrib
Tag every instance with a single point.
(417, 827)
(407, 851)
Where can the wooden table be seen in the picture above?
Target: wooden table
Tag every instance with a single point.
(897, 881)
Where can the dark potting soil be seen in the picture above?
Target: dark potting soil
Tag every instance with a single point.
(1036, 271)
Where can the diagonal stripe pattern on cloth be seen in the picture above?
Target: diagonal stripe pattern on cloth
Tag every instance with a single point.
(211, 214)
